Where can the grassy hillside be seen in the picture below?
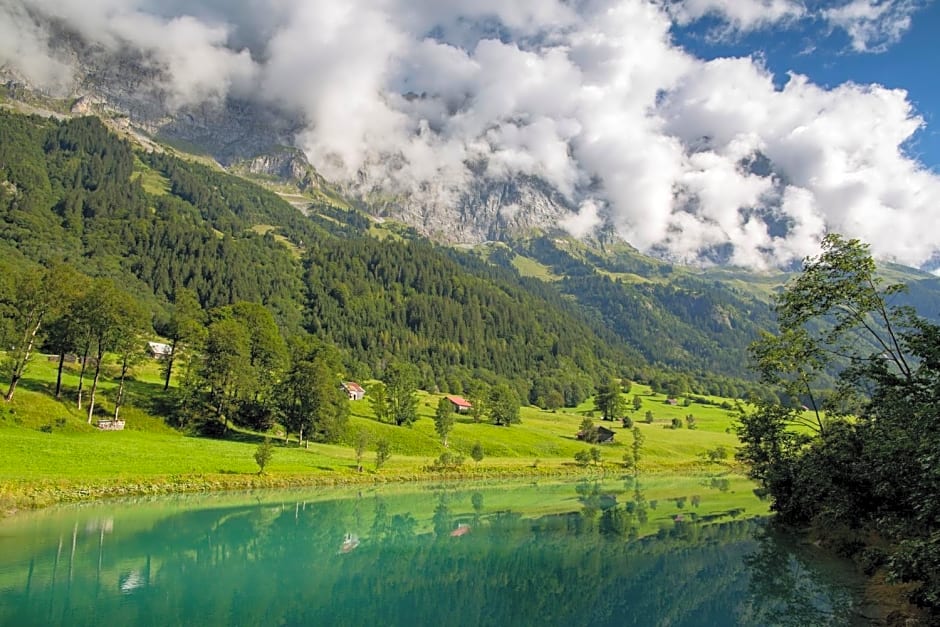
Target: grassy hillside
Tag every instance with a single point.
(51, 454)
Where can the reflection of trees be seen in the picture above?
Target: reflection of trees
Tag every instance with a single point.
(789, 585)
(278, 564)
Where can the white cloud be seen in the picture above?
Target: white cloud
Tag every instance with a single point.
(740, 15)
(682, 156)
(873, 25)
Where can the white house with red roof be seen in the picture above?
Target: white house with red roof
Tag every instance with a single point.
(461, 405)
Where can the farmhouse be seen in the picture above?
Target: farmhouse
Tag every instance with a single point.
(601, 435)
(461, 405)
(158, 350)
(353, 390)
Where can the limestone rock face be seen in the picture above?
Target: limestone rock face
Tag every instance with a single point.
(489, 210)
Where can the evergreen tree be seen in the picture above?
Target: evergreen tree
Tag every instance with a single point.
(402, 393)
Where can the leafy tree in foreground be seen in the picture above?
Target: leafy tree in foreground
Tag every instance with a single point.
(877, 473)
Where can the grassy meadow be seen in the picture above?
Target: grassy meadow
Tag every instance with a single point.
(48, 452)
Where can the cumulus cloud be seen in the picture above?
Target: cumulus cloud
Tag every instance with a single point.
(873, 25)
(739, 15)
(697, 160)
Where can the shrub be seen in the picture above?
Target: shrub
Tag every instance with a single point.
(263, 455)
(582, 458)
(676, 423)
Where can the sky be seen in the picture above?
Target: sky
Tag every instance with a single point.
(738, 131)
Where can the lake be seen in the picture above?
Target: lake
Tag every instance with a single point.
(658, 551)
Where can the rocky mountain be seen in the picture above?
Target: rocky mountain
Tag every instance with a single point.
(127, 90)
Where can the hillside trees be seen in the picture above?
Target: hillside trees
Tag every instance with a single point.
(114, 322)
(401, 393)
(309, 398)
(609, 400)
(37, 295)
(503, 405)
(186, 331)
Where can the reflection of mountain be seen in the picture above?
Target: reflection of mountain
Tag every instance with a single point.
(279, 564)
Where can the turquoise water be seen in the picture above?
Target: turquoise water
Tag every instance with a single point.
(560, 554)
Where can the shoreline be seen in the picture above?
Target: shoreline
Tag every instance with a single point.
(35, 495)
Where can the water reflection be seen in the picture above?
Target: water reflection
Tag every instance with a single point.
(584, 554)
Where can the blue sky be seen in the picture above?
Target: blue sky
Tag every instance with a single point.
(810, 47)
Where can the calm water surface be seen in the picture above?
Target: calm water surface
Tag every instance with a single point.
(550, 554)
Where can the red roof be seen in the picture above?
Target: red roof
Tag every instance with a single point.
(352, 386)
(460, 401)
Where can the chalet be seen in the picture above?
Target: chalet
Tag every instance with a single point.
(353, 390)
(600, 435)
(671, 401)
(460, 404)
(111, 425)
(158, 350)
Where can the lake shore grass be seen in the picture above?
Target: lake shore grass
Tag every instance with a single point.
(50, 454)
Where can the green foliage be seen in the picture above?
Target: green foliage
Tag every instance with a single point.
(503, 405)
(383, 451)
(637, 402)
(401, 387)
(447, 461)
(609, 400)
(690, 422)
(676, 423)
(310, 399)
(477, 452)
(582, 457)
(362, 442)
(444, 419)
(649, 417)
(263, 455)
(595, 455)
(875, 473)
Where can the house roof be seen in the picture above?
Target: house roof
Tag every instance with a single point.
(352, 386)
(460, 401)
(159, 348)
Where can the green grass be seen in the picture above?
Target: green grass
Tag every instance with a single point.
(152, 181)
(50, 453)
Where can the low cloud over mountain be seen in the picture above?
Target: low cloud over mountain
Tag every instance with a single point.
(682, 155)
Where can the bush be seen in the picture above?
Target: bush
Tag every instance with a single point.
(447, 461)
(627, 422)
(676, 423)
(263, 455)
(582, 458)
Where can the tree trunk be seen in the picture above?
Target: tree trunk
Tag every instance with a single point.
(20, 366)
(94, 386)
(119, 399)
(169, 365)
(58, 376)
(81, 375)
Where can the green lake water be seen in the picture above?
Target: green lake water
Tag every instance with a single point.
(587, 553)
